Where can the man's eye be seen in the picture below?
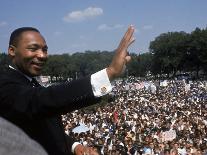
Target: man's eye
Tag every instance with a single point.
(45, 49)
(32, 49)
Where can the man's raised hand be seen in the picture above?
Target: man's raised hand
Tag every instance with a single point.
(121, 56)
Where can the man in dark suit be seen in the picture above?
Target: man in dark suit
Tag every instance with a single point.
(37, 110)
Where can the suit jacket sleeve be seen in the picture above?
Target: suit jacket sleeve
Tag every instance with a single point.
(18, 99)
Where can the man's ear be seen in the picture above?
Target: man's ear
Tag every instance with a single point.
(11, 50)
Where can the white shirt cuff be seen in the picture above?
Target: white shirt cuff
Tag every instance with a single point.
(100, 83)
(73, 147)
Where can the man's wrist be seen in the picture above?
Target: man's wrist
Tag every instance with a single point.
(109, 73)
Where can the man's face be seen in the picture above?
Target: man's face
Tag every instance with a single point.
(30, 53)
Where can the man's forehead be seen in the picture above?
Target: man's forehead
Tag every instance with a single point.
(32, 37)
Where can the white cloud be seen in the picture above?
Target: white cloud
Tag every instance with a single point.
(147, 27)
(118, 26)
(3, 23)
(77, 16)
(105, 27)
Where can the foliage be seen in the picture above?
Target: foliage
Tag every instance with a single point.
(4, 61)
(174, 52)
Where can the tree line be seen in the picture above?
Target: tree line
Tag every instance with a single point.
(169, 54)
(174, 52)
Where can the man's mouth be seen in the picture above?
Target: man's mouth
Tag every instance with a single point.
(38, 65)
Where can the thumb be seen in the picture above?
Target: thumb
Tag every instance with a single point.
(128, 58)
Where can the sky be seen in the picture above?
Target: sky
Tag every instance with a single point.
(71, 26)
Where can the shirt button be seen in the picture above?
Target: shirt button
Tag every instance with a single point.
(103, 90)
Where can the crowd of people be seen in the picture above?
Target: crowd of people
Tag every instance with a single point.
(146, 117)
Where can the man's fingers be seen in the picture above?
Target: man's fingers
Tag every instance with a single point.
(131, 41)
(126, 40)
(129, 32)
(129, 36)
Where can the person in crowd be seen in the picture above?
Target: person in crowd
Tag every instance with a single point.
(36, 109)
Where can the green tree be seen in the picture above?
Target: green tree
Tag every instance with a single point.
(4, 61)
(197, 50)
(168, 51)
(140, 64)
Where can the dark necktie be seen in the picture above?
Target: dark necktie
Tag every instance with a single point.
(35, 83)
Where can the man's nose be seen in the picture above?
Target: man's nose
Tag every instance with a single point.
(42, 54)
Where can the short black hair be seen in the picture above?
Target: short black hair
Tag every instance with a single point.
(16, 34)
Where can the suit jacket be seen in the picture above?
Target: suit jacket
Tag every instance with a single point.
(13, 141)
(37, 110)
